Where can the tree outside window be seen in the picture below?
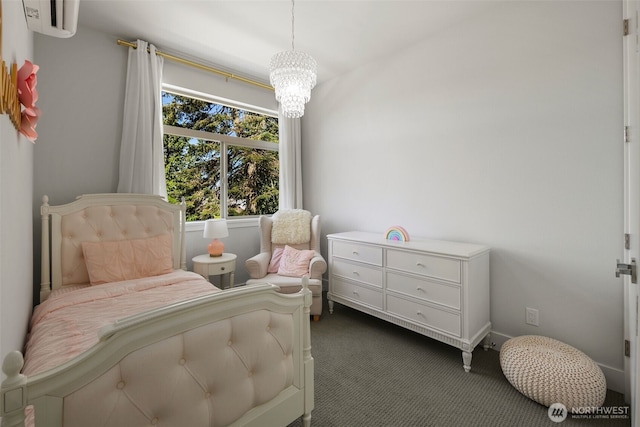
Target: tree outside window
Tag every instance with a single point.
(243, 182)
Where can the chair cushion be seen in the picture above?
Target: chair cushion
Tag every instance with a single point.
(290, 285)
(549, 371)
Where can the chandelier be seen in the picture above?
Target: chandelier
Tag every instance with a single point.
(292, 75)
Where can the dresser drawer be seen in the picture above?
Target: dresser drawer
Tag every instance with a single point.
(426, 265)
(427, 315)
(358, 252)
(357, 293)
(439, 293)
(360, 272)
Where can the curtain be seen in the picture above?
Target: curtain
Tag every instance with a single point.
(290, 160)
(141, 149)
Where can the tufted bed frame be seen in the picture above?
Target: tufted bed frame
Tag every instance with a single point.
(239, 357)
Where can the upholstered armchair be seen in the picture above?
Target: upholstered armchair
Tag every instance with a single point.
(290, 249)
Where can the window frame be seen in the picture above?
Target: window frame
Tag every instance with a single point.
(225, 141)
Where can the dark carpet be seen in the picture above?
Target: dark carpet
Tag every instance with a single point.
(371, 373)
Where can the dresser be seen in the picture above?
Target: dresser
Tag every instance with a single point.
(436, 288)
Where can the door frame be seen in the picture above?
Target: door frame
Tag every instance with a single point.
(631, 141)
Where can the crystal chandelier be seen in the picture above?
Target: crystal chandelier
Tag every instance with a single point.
(293, 75)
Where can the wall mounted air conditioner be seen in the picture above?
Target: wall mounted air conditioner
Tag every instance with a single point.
(57, 18)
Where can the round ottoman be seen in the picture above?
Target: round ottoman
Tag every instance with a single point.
(550, 371)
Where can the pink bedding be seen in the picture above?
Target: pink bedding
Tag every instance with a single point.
(67, 323)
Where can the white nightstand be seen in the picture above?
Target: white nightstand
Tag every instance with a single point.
(224, 265)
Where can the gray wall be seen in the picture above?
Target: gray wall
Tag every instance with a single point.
(81, 96)
(81, 85)
(503, 130)
(16, 187)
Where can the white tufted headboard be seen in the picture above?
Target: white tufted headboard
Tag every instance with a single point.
(102, 217)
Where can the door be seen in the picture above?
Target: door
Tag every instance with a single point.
(631, 69)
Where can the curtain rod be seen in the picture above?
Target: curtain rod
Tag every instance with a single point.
(200, 66)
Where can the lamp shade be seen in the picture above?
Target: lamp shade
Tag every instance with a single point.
(215, 228)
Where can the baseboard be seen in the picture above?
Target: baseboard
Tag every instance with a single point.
(614, 377)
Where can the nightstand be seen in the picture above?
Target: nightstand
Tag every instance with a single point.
(224, 265)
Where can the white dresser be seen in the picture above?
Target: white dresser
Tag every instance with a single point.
(437, 288)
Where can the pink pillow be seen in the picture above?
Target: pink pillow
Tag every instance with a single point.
(294, 262)
(114, 261)
(276, 256)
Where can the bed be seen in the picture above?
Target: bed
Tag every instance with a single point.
(125, 336)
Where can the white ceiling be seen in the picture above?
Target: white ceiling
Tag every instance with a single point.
(242, 35)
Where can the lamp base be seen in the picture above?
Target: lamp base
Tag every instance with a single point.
(215, 248)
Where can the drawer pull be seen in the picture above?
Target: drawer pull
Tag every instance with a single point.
(355, 253)
(419, 264)
(419, 288)
(355, 273)
(222, 268)
(356, 293)
(419, 313)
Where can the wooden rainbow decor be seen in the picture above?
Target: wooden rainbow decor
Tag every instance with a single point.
(396, 233)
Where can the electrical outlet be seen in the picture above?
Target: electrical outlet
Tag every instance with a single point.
(531, 316)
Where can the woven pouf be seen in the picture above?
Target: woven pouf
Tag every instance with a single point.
(550, 371)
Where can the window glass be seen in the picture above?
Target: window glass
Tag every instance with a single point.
(243, 182)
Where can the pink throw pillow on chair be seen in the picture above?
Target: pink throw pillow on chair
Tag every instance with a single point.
(294, 262)
(276, 256)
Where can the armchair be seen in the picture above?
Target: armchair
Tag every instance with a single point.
(297, 229)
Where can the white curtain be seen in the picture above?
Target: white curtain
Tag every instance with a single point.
(141, 150)
(290, 163)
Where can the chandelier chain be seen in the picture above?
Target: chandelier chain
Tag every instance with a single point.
(293, 22)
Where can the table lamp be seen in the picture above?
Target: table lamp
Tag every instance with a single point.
(214, 229)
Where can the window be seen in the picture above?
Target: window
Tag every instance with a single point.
(223, 160)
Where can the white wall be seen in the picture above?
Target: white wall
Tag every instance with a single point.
(16, 187)
(504, 130)
(205, 82)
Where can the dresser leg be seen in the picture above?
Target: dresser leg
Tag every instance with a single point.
(486, 343)
(466, 360)
(330, 307)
